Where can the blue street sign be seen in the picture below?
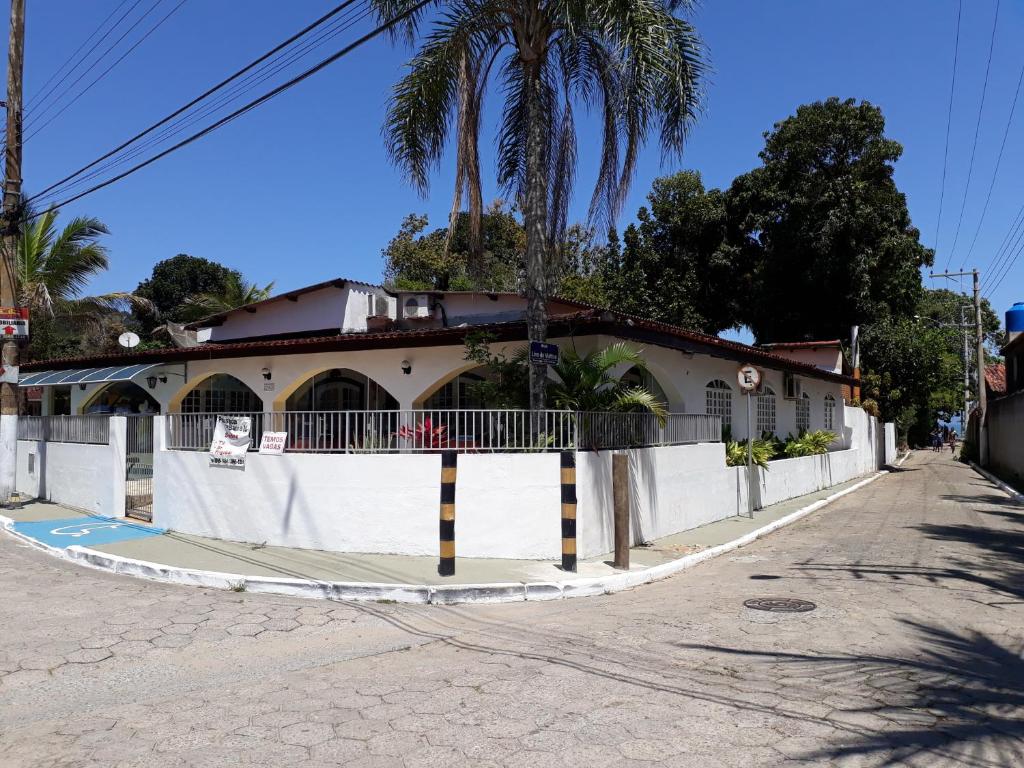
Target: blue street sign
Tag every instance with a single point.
(84, 531)
(543, 353)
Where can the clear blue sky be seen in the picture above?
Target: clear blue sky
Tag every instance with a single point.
(301, 190)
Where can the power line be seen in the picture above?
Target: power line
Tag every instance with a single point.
(105, 72)
(80, 47)
(117, 42)
(1002, 252)
(949, 120)
(201, 97)
(1006, 270)
(377, 31)
(977, 129)
(1008, 257)
(999, 159)
(42, 98)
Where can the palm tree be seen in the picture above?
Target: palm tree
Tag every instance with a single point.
(587, 384)
(236, 293)
(54, 268)
(634, 61)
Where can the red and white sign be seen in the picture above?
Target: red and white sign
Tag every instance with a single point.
(8, 374)
(749, 378)
(13, 323)
(272, 443)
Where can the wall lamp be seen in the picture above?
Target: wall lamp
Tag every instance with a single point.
(151, 382)
(406, 367)
(266, 373)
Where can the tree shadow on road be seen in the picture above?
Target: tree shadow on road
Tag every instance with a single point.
(958, 699)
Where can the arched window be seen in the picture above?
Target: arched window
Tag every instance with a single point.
(803, 413)
(636, 377)
(458, 394)
(221, 393)
(340, 389)
(830, 412)
(718, 401)
(766, 411)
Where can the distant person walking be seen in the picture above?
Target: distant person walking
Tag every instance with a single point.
(936, 440)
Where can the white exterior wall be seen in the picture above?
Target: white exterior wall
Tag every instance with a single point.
(677, 488)
(331, 307)
(507, 505)
(86, 477)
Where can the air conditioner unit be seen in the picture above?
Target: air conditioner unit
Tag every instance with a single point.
(792, 387)
(379, 306)
(416, 306)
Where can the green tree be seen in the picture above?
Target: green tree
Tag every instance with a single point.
(825, 227)
(441, 259)
(174, 282)
(676, 265)
(53, 270)
(638, 63)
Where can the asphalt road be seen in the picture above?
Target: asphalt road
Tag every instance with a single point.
(912, 656)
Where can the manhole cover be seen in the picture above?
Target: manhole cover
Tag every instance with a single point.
(779, 604)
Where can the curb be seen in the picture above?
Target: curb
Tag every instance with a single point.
(435, 594)
(1006, 488)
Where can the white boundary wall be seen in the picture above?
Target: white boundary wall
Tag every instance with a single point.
(1005, 421)
(507, 505)
(678, 488)
(82, 476)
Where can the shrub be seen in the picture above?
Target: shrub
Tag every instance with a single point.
(809, 443)
(736, 453)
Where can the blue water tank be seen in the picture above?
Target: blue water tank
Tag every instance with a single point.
(1015, 318)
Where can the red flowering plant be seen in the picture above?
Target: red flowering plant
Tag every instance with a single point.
(425, 434)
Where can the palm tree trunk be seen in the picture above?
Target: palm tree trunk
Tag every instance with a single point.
(535, 217)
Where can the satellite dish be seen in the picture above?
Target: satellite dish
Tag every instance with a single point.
(128, 339)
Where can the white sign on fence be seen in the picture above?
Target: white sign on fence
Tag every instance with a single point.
(272, 443)
(231, 439)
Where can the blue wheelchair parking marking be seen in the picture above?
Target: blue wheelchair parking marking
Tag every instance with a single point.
(84, 531)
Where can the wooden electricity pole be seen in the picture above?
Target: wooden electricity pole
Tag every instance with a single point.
(8, 272)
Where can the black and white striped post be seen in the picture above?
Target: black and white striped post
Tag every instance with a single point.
(449, 468)
(568, 462)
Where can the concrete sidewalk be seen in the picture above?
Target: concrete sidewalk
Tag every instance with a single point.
(171, 556)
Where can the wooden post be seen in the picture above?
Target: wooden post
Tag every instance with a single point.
(449, 468)
(620, 494)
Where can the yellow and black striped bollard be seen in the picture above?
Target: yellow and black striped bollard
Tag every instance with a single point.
(449, 467)
(569, 511)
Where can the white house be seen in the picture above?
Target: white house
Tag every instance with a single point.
(343, 345)
(347, 368)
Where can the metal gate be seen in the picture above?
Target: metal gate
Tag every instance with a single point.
(138, 493)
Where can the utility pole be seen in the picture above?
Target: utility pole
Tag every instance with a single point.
(982, 398)
(979, 333)
(9, 356)
(967, 372)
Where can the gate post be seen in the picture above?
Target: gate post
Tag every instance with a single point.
(118, 445)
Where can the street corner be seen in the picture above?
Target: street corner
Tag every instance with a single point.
(83, 531)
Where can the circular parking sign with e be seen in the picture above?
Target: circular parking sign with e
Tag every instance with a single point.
(749, 378)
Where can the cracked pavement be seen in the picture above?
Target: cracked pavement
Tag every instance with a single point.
(912, 657)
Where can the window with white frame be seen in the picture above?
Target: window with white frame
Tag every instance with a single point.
(718, 401)
(830, 412)
(766, 411)
(803, 413)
